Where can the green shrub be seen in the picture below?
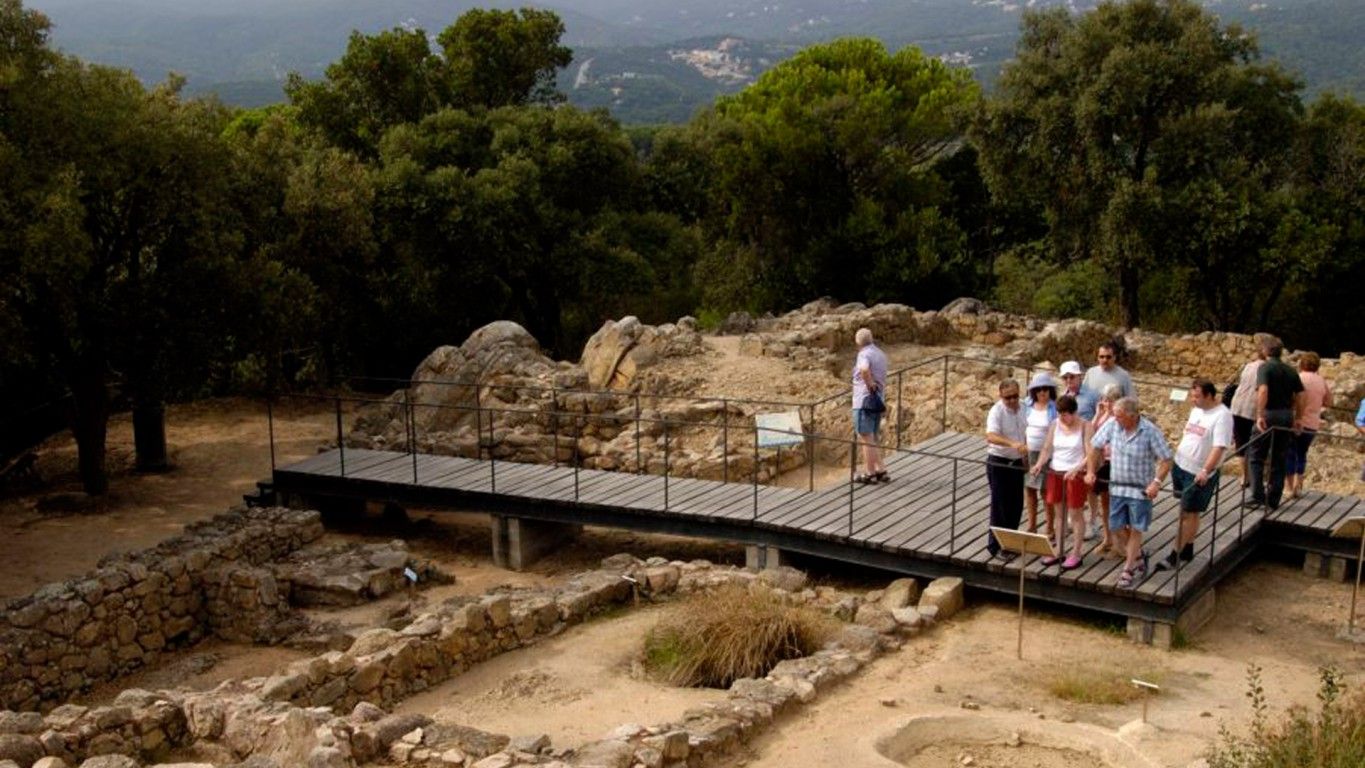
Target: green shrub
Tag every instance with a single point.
(1334, 737)
(731, 633)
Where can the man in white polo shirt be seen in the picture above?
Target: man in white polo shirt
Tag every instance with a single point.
(1208, 434)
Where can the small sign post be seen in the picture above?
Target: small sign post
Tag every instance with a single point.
(1353, 528)
(1023, 544)
(1148, 691)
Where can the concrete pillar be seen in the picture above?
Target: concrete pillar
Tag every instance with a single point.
(1337, 568)
(1163, 635)
(518, 542)
(1314, 564)
(758, 557)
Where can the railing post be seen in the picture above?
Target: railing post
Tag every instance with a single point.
(852, 467)
(756, 457)
(554, 424)
(341, 443)
(410, 416)
(810, 450)
(665, 464)
(639, 468)
(492, 462)
(577, 438)
(944, 418)
(952, 514)
(270, 421)
(478, 424)
(900, 386)
(725, 441)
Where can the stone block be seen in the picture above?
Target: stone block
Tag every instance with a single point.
(760, 556)
(900, 593)
(945, 595)
(876, 617)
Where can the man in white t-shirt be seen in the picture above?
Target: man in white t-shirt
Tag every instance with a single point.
(1208, 435)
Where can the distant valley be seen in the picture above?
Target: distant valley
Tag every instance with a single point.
(647, 61)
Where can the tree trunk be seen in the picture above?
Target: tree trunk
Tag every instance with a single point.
(149, 436)
(90, 427)
(1129, 282)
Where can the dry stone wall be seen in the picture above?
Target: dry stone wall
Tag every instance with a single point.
(67, 636)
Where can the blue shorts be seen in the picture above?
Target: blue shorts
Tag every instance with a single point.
(866, 422)
(1193, 496)
(1129, 513)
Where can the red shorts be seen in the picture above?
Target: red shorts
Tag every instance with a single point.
(1058, 487)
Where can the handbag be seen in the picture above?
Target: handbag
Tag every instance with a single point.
(873, 403)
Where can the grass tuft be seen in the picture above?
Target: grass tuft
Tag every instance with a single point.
(1334, 737)
(1089, 684)
(730, 633)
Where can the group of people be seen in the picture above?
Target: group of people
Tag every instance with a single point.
(1080, 451)
(1083, 447)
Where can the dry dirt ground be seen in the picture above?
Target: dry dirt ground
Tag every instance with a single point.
(582, 684)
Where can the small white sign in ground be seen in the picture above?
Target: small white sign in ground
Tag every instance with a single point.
(776, 430)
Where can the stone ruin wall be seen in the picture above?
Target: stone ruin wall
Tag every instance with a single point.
(328, 711)
(209, 581)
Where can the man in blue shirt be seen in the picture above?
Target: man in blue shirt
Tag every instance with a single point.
(1139, 460)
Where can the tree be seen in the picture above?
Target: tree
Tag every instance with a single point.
(829, 156)
(489, 58)
(502, 58)
(1117, 119)
(117, 243)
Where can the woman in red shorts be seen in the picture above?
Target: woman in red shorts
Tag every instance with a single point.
(1063, 455)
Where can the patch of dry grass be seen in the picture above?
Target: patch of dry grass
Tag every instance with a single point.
(1096, 683)
(730, 633)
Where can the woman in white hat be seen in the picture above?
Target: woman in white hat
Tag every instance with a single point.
(1041, 412)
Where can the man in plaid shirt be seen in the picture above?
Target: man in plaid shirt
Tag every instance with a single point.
(1139, 462)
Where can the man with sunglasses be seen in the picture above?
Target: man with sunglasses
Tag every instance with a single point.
(1108, 371)
(1006, 449)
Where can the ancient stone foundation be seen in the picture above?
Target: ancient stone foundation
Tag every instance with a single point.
(121, 616)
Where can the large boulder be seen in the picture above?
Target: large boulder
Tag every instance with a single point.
(621, 349)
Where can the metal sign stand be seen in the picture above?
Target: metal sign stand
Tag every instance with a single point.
(1148, 691)
(1022, 543)
(1353, 528)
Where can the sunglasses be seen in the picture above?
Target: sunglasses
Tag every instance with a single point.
(1010, 397)
(1105, 357)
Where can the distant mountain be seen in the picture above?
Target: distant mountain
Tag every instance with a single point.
(646, 60)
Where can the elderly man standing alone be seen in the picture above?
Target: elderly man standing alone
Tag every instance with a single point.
(869, 379)
(1006, 450)
(1139, 461)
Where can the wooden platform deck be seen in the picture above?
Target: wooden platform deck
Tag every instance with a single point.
(929, 521)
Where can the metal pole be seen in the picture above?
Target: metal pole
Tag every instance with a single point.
(779, 453)
(852, 465)
(478, 424)
(270, 421)
(638, 466)
(810, 449)
(341, 444)
(725, 441)
(665, 465)
(577, 437)
(900, 381)
(1360, 565)
(952, 520)
(554, 424)
(1019, 650)
(411, 418)
(944, 418)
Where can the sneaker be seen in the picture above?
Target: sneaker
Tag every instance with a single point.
(1169, 561)
(1071, 563)
(1187, 554)
(1050, 560)
(1093, 532)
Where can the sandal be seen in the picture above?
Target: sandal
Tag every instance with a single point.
(864, 479)
(1050, 561)
(881, 477)
(1125, 579)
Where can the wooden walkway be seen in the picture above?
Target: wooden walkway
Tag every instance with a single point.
(929, 521)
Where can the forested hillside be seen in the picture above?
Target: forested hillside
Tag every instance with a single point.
(644, 60)
(1136, 163)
